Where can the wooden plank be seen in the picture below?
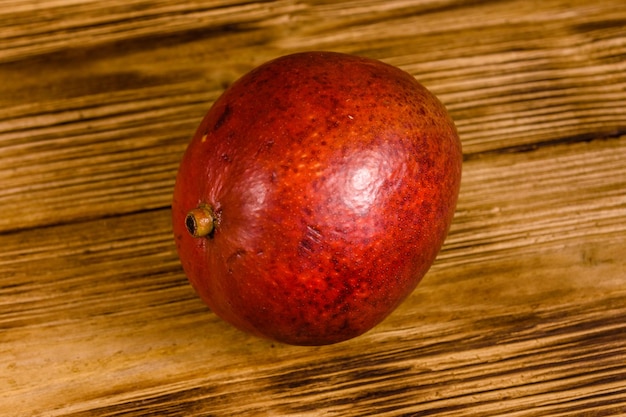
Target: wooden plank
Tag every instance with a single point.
(519, 316)
(126, 122)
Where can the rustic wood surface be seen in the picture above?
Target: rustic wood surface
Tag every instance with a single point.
(523, 314)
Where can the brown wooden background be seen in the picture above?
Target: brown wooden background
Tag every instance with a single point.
(523, 314)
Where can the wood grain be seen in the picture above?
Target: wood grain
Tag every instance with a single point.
(523, 313)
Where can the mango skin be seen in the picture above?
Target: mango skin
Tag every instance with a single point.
(333, 180)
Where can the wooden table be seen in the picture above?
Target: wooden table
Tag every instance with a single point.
(523, 314)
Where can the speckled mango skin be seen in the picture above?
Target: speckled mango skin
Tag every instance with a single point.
(333, 180)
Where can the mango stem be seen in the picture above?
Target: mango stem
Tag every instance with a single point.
(200, 221)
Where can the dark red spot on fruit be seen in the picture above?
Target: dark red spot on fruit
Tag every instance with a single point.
(223, 117)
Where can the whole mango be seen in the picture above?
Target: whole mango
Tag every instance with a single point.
(315, 195)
